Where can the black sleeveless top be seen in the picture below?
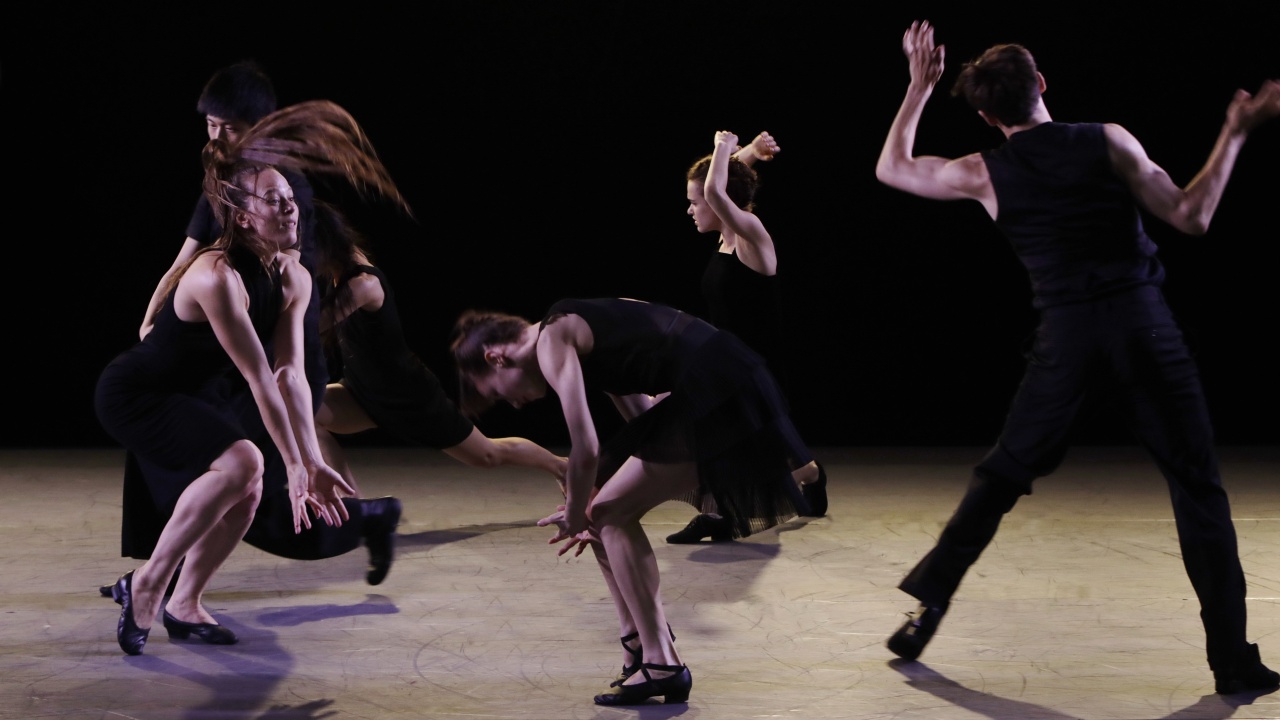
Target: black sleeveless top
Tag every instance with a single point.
(1071, 219)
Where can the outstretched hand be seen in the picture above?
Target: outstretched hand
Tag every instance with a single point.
(924, 59)
(575, 541)
(328, 489)
(1249, 111)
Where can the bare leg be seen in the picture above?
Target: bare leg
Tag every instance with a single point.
(234, 478)
(807, 474)
(205, 557)
(631, 570)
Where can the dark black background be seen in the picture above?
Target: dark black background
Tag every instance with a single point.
(542, 146)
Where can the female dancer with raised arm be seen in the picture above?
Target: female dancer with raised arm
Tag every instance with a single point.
(222, 309)
(742, 292)
(721, 424)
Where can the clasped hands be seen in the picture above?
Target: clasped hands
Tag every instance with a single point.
(572, 541)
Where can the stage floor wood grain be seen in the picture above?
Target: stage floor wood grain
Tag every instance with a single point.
(1080, 609)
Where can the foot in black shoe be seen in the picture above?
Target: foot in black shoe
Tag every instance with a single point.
(815, 493)
(131, 637)
(212, 633)
(381, 516)
(705, 525)
(673, 688)
(110, 590)
(636, 653)
(1247, 674)
(909, 641)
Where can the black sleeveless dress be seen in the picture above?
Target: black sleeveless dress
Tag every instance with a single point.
(725, 411)
(390, 382)
(153, 400)
(749, 305)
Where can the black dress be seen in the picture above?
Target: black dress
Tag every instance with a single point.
(749, 305)
(724, 412)
(151, 399)
(389, 381)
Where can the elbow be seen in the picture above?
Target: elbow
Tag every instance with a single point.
(286, 377)
(1190, 222)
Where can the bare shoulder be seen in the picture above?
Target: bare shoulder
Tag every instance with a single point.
(566, 331)
(366, 290)
(208, 273)
(294, 277)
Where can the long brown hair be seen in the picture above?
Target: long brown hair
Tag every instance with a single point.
(317, 136)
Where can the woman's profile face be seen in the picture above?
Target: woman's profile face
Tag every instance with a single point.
(272, 212)
(703, 216)
(512, 383)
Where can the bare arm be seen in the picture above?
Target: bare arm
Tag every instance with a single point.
(212, 291)
(189, 248)
(750, 240)
(1191, 209)
(928, 176)
(478, 450)
(366, 293)
(558, 357)
(762, 147)
(324, 484)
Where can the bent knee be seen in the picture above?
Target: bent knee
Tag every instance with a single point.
(242, 462)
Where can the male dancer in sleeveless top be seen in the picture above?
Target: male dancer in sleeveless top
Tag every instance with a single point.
(1068, 198)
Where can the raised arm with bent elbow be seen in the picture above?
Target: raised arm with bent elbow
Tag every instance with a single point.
(1191, 209)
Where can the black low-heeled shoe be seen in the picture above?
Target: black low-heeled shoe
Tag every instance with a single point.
(212, 633)
(909, 641)
(109, 591)
(674, 688)
(131, 637)
(815, 493)
(380, 518)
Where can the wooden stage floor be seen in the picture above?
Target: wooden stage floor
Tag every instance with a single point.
(1080, 609)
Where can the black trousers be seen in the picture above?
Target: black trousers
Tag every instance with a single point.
(1130, 346)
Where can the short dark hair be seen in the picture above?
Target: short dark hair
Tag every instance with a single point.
(741, 185)
(1002, 83)
(240, 91)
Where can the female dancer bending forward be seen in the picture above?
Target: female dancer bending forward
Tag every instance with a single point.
(703, 415)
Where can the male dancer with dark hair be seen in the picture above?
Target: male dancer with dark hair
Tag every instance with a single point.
(1068, 197)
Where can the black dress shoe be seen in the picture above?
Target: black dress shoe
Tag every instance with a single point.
(380, 518)
(909, 641)
(212, 633)
(815, 493)
(716, 527)
(673, 688)
(110, 590)
(131, 637)
(1248, 674)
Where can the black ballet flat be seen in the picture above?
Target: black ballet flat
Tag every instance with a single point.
(380, 518)
(212, 633)
(815, 493)
(131, 637)
(673, 688)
